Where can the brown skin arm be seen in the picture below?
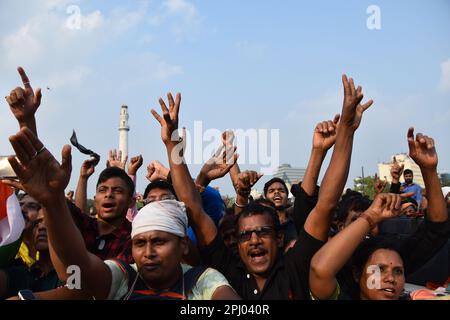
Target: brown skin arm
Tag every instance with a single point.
(422, 150)
(184, 186)
(244, 183)
(24, 103)
(318, 222)
(323, 139)
(87, 169)
(225, 293)
(330, 259)
(45, 180)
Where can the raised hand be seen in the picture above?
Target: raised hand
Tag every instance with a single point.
(156, 171)
(115, 160)
(134, 165)
(40, 174)
(228, 138)
(352, 110)
(218, 166)
(422, 150)
(169, 119)
(24, 102)
(87, 168)
(379, 185)
(325, 134)
(386, 206)
(245, 181)
(396, 171)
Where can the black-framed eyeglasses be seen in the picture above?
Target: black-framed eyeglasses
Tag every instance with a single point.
(261, 232)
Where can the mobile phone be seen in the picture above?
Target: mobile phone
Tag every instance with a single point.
(6, 172)
(26, 295)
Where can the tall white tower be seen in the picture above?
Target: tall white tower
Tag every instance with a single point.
(123, 131)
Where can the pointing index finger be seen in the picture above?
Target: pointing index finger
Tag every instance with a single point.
(24, 77)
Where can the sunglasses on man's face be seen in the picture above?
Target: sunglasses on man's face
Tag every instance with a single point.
(261, 232)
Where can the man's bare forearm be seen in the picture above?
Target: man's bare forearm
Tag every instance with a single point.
(311, 177)
(337, 173)
(81, 194)
(437, 208)
(186, 191)
(182, 181)
(64, 236)
(30, 124)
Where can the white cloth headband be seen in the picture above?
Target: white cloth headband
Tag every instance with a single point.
(166, 215)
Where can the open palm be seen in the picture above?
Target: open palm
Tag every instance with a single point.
(38, 171)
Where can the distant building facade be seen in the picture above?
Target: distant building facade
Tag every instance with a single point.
(289, 174)
(384, 169)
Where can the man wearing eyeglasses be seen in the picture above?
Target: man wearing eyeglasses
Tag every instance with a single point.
(262, 271)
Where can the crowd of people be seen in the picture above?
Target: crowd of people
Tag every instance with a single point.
(180, 240)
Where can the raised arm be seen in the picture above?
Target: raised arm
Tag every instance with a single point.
(87, 169)
(183, 184)
(156, 171)
(330, 259)
(318, 222)
(323, 139)
(378, 184)
(422, 150)
(24, 103)
(396, 172)
(45, 180)
(116, 160)
(243, 187)
(227, 141)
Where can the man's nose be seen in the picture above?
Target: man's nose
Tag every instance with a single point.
(149, 251)
(255, 238)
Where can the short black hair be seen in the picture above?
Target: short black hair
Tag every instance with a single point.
(407, 171)
(410, 200)
(264, 202)
(351, 201)
(115, 172)
(159, 184)
(272, 181)
(254, 209)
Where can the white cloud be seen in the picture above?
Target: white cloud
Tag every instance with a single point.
(92, 21)
(23, 44)
(182, 14)
(59, 4)
(181, 7)
(444, 85)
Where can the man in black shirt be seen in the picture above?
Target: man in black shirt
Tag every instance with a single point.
(262, 272)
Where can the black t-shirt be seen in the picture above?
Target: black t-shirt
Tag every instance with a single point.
(20, 277)
(288, 278)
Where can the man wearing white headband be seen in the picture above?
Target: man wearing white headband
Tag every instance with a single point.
(158, 243)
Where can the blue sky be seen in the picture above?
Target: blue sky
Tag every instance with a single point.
(238, 64)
